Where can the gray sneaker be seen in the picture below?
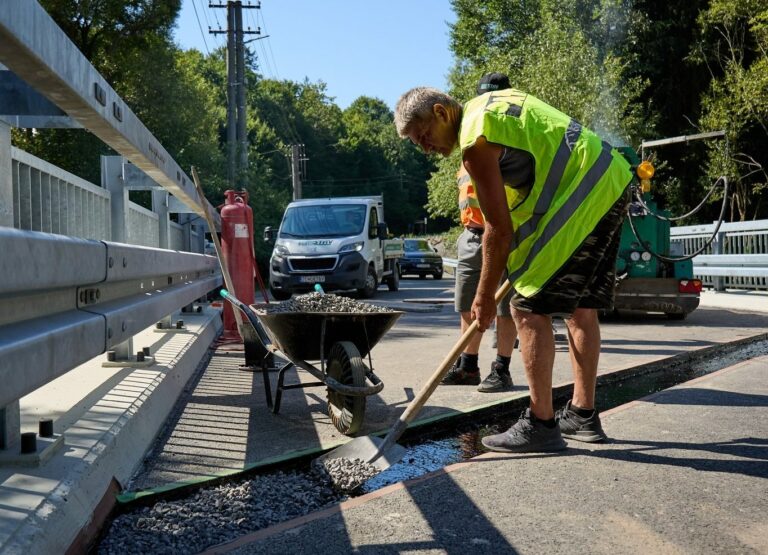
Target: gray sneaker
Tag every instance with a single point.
(498, 380)
(578, 427)
(527, 435)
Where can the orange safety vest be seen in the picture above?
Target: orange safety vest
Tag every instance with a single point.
(469, 207)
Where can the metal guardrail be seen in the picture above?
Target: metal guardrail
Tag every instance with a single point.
(65, 300)
(36, 50)
(717, 267)
(731, 265)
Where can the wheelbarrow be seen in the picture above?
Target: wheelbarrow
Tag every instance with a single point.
(339, 341)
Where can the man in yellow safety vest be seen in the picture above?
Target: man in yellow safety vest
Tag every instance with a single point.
(556, 233)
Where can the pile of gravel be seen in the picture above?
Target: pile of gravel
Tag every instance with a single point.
(323, 302)
(346, 475)
(218, 514)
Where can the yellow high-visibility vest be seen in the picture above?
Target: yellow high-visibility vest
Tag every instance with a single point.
(578, 178)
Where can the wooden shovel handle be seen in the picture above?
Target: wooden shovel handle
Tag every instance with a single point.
(418, 402)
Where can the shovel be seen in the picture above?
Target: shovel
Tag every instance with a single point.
(383, 453)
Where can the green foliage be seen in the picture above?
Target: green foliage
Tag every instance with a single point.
(565, 52)
(735, 48)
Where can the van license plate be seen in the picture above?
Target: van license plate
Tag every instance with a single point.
(312, 279)
(422, 265)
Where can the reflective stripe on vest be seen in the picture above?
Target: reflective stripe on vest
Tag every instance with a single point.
(550, 185)
(562, 216)
(578, 178)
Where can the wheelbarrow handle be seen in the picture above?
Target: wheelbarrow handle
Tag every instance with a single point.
(252, 318)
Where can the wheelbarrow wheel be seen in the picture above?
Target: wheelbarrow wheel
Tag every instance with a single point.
(345, 365)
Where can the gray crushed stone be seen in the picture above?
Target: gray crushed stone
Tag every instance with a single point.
(346, 475)
(323, 302)
(218, 514)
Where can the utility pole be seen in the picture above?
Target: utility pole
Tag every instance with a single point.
(237, 139)
(297, 159)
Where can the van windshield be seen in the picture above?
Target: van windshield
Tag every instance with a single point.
(323, 220)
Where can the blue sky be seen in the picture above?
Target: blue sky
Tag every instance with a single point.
(357, 47)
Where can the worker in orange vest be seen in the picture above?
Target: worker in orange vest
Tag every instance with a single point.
(466, 370)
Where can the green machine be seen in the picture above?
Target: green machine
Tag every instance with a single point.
(652, 273)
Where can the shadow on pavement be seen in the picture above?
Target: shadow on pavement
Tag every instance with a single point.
(709, 397)
(737, 451)
(450, 530)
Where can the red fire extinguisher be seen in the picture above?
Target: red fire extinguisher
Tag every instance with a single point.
(237, 244)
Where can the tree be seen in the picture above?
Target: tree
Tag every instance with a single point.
(564, 52)
(735, 49)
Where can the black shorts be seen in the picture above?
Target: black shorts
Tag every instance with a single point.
(588, 278)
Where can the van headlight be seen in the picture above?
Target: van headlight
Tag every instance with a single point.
(281, 250)
(357, 246)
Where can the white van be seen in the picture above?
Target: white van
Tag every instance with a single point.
(339, 243)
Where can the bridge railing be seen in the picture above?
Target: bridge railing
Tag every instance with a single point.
(66, 300)
(68, 291)
(49, 199)
(732, 260)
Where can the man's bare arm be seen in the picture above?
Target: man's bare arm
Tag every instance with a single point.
(482, 163)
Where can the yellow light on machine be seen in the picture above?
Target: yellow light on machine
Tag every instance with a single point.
(645, 172)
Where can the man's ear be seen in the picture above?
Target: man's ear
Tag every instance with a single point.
(440, 111)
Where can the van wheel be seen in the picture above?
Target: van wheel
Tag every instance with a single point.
(371, 284)
(393, 280)
(438, 275)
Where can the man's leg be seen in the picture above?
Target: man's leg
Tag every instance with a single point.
(579, 419)
(536, 429)
(506, 334)
(537, 349)
(473, 347)
(584, 350)
(470, 257)
(500, 378)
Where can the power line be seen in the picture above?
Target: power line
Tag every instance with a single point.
(207, 20)
(200, 26)
(269, 45)
(216, 15)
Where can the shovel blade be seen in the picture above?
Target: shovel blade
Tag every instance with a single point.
(368, 449)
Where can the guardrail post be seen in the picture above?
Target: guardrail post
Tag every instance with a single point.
(718, 246)
(199, 238)
(10, 426)
(112, 181)
(185, 221)
(160, 207)
(6, 181)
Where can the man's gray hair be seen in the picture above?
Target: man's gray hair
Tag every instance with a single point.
(415, 106)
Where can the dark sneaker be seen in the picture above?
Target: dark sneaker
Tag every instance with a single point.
(498, 380)
(527, 435)
(578, 427)
(458, 376)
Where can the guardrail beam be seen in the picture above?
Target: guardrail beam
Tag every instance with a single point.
(40, 53)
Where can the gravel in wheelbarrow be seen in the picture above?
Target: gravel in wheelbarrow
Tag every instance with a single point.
(299, 326)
